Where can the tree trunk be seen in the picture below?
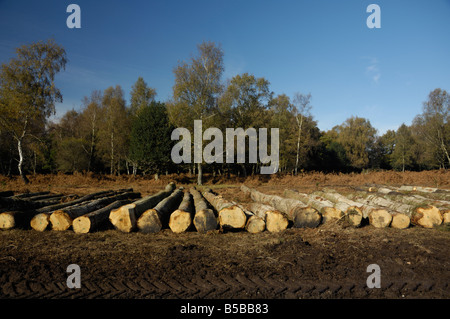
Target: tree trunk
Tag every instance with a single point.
(324, 206)
(204, 220)
(299, 213)
(153, 220)
(275, 220)
(181, 219)
(62, 219)
(200, 174)
(19, 166)
(231, 216)
(124, 218)
(95, 220)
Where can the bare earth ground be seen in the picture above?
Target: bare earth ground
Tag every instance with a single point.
(326, 262)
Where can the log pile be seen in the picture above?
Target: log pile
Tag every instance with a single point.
(182, 210)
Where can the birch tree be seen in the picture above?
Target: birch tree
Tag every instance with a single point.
(27, 91)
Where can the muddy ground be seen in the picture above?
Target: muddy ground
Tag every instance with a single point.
(329, 261)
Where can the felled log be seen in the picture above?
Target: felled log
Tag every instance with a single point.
(40, 218)
(255, 224)
(231, 216)
(427, 217)
(325, 207)
(422, 189)
(45, 196)
(6, 193)
(354, 211)
(300, 214)
(275, 220)
(181, 219)
(62, 219)
(400, 221)
(26, 195)
(9, 221)
(381, 201)
(204, 219)
(152, 220)
(446, 217)
(383, 190)
(380, 218)
(124, 218)
(95, 220)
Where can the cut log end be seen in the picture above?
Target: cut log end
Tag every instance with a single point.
(149, 222)
(354, 216)
(180, 221)
(7, 220)
(255, 225)
(60, 220)
(427, 217)
(380, 218)
(276, 221)
(232, 217)
(331, 213)
(81, 225)
(305, 217)
(123, 218)
(40, 222)
(400, 221)
(446, 217)
(205, 220)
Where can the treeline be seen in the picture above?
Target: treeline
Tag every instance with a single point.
(113, 136)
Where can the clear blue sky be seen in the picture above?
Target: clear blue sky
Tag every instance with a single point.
(322, 47)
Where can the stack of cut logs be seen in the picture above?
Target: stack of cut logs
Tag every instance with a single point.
(184, 209)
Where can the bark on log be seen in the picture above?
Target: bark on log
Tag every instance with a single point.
(384, 202)
(300, 214)
(275, 220)
(324, 207)
(231, 216)
(154, 219)
(95, 220)
(427, 217)
(181, 219)
(205, 219)
(62, 219)
(26, 195)
(124, 218)
(46, 196)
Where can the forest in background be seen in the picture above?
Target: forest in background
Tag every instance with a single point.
(110, 135)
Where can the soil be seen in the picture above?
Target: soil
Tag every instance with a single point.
(329, 261)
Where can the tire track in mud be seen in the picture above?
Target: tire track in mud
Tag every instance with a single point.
(224, 287)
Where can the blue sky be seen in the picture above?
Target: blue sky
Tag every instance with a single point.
(322, 47)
